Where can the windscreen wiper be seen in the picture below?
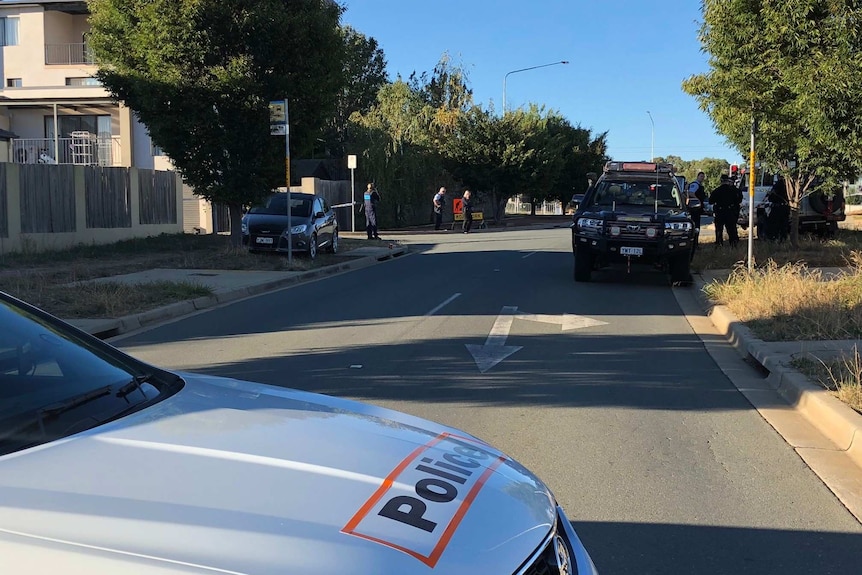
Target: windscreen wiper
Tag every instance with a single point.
(136, 383)
(56, 409)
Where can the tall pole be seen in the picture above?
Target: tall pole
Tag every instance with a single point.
(287, 184)
(652, 138)
(751, 176)
(524, 70)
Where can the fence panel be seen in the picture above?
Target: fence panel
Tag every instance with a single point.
(47, 198)
(4, 205)
(108, 197)
(158, 197)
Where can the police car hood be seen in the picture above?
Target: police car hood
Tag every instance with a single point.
(246, 478)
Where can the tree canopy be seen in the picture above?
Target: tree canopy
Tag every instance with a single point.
(795, 68)
(200, 74)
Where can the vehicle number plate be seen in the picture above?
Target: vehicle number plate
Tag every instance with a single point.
(264, 240)
(631, 251)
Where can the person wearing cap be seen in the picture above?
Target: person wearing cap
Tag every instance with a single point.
(371, 197)
(726, 200)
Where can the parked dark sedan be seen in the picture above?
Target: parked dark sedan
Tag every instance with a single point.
(312, 225)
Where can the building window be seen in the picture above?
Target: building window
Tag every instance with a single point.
(83, 81)
(13, 83)
(8, 31)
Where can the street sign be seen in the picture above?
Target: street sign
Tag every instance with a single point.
(278, 118)
(351, 162)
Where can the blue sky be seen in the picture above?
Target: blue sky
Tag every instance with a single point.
(626, 57)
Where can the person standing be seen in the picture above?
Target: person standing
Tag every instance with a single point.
(696, 201)
(439, 198)
(371, 198)
(467, 202)
(726, 200)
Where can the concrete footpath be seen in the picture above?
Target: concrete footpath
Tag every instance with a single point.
(837, 461)
(226, 285)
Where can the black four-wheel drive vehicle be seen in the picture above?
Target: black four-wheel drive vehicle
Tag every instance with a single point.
(636, 214)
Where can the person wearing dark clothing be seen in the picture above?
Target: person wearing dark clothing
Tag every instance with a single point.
(438, 200)
(696, 200)
(467, 203)
(778, 218)
(371, 198)
(726, 200)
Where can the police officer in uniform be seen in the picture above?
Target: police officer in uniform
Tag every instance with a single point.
(696, 200)
(726, 200)
(371, 198)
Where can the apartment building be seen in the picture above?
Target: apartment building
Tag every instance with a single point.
(53, 110)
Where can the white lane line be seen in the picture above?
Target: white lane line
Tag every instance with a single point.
(442, 305)
(529, 254)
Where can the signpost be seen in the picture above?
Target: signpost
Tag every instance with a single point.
(279, 126)
(351, 163)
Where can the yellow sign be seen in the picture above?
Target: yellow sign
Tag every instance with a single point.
(287, 172)
(476, 216)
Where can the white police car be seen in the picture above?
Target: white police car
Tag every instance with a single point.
(110, 465)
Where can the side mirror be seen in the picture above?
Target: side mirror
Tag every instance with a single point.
(319, 215)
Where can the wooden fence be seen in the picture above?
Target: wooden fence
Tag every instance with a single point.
(48, 206)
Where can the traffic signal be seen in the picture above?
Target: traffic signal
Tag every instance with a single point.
(734, 172)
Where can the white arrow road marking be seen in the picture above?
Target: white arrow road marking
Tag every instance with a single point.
(567, 321)
(495, 349)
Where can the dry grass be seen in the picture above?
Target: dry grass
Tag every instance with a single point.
(814, 251)
(792, 302)
(841, 376)
(53, 280)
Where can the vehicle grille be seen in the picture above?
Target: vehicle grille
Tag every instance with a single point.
(635, 232)
(544, 562)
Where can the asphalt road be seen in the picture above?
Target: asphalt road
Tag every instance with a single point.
(660, 462)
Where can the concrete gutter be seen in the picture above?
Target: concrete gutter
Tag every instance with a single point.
(225, 290)
(837, 421)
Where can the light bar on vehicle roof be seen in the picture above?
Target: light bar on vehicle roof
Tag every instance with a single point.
(663, 167)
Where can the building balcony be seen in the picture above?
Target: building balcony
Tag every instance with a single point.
(84, 150)
(68, 54)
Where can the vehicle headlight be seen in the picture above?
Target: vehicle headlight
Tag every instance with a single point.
(590, 224)
(678, 226)
(300, 229)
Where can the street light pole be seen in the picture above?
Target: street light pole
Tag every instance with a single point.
(652, 138)
(524, 70)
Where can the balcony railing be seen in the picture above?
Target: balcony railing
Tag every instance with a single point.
(84, 151)
(68, 54)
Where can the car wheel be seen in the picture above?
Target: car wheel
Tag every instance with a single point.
(333, 245)
(312, 247)
(583, 265)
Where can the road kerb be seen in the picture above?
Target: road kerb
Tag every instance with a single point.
(136, 321)
(833, 418)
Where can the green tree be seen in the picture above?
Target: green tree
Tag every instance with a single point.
(364, 71)
(795, 67)
(200, 74)
(392, 141)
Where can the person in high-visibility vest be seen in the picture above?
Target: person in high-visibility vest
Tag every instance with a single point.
(371, 198)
